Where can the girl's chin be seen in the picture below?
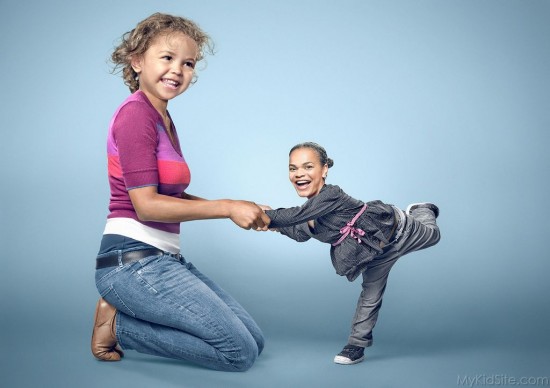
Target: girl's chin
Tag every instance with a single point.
(305, 193)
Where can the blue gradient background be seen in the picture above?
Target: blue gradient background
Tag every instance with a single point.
(446, 101)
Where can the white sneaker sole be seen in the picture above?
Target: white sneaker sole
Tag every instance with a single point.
(346, 361)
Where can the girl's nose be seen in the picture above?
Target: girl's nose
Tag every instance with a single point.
(177, 70)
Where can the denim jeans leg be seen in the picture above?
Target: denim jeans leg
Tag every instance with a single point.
(375, 278)
(164, 309)
(243, 315)
(421, 231)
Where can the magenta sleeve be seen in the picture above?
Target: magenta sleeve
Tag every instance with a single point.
(135, 133)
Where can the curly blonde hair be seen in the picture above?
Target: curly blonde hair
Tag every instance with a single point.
(137, 41)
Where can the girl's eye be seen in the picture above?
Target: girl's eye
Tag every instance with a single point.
(167, 57)
(190, 64)
(309, 167)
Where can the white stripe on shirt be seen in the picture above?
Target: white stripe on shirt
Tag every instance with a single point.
(128, 227)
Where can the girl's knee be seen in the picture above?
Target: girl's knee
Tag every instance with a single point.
(260, 343)
(433, 238)
(243, 360)
(437, 235)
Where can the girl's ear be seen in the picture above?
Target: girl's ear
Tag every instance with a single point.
(136, 64)
(325, 171)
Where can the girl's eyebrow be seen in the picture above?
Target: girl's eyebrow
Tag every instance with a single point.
(303, 164)
(172, 53)
(166, 52)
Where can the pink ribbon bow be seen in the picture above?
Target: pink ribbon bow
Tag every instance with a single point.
(349, 230)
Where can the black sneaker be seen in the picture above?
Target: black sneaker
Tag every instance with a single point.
(351, 354)
(428, 205)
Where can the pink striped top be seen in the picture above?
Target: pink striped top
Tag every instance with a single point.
(140, 153)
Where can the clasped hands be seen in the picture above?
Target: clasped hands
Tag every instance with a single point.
(249, 215)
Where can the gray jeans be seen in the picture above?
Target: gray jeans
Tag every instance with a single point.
(420, 231)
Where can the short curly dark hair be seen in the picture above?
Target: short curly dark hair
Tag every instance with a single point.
(137, 41)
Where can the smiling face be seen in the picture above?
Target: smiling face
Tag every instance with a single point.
(306, 172)
(167, 67)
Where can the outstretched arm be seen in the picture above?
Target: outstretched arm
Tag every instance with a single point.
(323, 203)
(184, 195)
(152, 206)
(298, 232)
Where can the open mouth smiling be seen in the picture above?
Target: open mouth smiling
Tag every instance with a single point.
(302, 183)
(170, 83)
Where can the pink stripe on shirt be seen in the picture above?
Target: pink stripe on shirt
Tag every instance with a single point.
(140, 153)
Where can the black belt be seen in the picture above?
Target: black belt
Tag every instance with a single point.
(111, 260)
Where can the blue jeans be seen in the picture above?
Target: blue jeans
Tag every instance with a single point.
(166, 307)
(420, 232)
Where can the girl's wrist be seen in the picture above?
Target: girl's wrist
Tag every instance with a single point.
(225, 207)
